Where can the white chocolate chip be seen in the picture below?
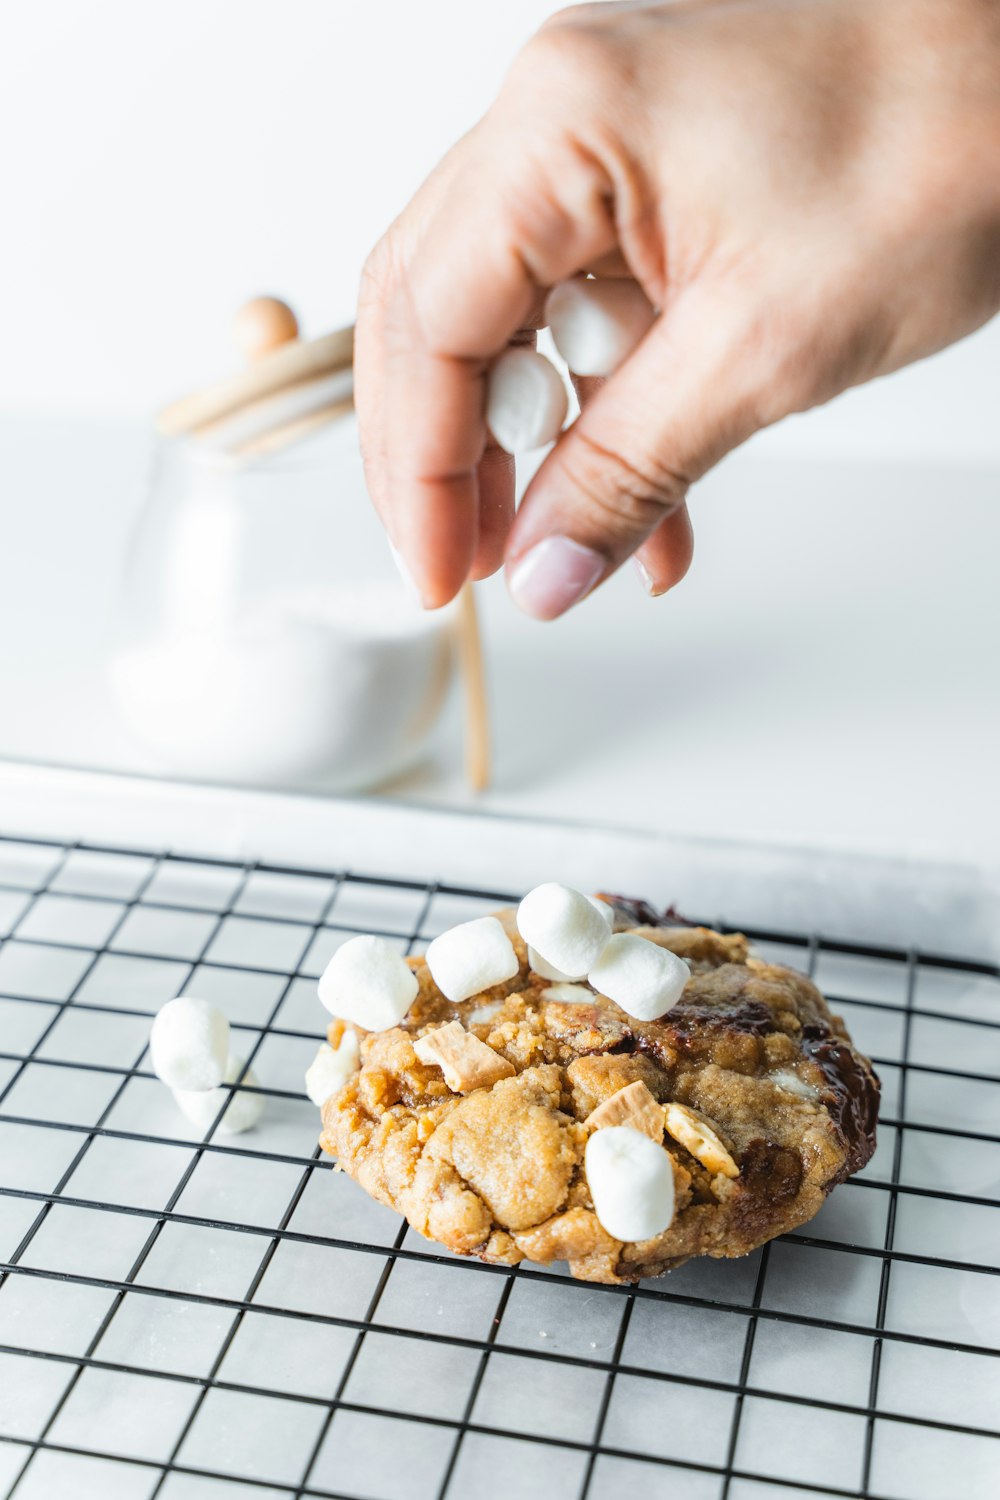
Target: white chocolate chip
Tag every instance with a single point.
(201, 1106)
(631, 1181)
(632, 1105)
(785, 1079)
(696, 1135)
(466, 1062)
(189, 1044)
(526, 401)
(595, 325)
(640, 976)
(331, 1068)
(564, 927)
(369, 983)
(470, 958)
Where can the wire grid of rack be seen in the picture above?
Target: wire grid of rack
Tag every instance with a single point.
(204, 1317)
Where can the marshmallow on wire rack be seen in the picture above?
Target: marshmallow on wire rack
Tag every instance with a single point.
(639, 975)
(201, 1106)
(565, 929)
(471, 957)
(595, 325)
(189, 1044)
(526, 401)
(331, 1068)
(369, 983)
(631, 1182)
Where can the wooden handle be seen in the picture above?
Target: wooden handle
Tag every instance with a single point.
(477, 722)
(287, 365)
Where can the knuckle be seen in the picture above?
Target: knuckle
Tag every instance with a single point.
(623, 492)
(571, 52)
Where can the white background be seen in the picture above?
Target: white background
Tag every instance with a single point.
(163, 162)
(827, 676)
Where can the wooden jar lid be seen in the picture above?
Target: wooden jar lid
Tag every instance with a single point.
(290, 387)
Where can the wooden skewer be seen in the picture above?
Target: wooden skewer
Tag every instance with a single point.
(477, 718)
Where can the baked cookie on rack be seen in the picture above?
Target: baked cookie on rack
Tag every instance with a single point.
(540, 1119)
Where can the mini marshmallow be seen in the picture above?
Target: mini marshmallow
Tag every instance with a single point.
(640, 976)
(369, 983)
(526, 401)
(595, 325)
(549, 971)
(569, 994)
(202, 1106)
(189, 1044)
(331, 1068)
(471, 957)
(564, 928)
(631, 1181)
(605, 909)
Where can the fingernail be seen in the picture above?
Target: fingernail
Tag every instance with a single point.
(645, 576)
(554, 576)
(409, 583)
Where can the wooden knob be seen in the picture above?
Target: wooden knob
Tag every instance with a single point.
(262, 324)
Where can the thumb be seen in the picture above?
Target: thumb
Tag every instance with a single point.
(681, 401)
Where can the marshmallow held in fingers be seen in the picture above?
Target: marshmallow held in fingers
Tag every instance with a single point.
(189, 1044)
(331, 1068)
(526, 401)
(202, 1106)
(369, 983)
(631, 1181)
(565, 928)
(640, 976)
(470, 958)
(595, 325)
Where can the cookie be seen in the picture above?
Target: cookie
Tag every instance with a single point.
(472, 1119)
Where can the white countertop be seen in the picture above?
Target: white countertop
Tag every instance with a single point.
(825, 678)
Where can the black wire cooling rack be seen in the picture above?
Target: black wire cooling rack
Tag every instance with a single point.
(206, 1317)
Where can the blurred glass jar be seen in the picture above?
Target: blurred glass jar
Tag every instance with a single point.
(256, 645)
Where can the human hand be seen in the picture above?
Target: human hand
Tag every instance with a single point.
(809, 193)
